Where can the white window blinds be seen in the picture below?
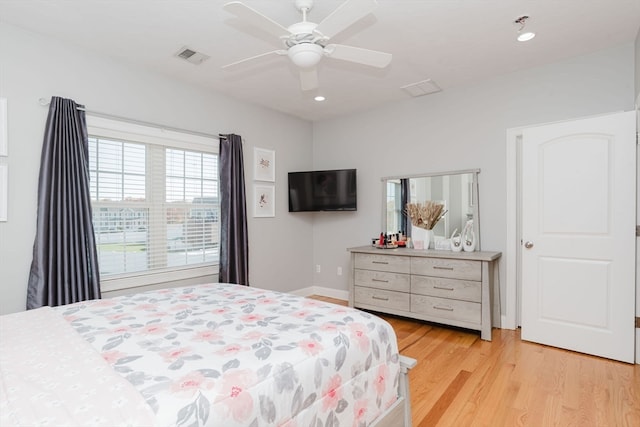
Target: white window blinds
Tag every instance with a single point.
(155, 200)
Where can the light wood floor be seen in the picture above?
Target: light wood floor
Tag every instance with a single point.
(461, 381)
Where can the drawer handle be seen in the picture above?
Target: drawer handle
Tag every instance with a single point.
(439, 307)
(380, 298)
(444, 288)
(442, 268)
(379, 262)
(378, 280)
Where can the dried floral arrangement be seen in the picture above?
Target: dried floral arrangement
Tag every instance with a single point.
(425, 215)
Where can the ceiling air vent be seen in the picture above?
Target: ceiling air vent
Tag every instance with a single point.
(192, 56)
(424, 87)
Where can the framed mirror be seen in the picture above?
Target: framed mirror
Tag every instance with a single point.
(456, 190)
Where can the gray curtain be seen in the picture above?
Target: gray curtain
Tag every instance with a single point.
(234, 242)
(64, 268)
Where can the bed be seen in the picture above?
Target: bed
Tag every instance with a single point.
(206, 355)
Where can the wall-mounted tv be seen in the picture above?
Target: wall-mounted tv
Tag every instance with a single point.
(329, 190)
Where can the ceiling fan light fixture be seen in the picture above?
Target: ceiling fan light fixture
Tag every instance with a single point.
(523, 35)
(319, 98)
(305, 55)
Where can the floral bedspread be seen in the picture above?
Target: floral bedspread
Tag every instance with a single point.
(228, 355)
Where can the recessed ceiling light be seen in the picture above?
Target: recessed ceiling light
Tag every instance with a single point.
(319, 98)
(523, 35)
(526, 36)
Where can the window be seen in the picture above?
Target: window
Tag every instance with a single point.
(394, 208)
(155, 203)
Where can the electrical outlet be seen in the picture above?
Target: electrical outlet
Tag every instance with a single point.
(339, 271)
(317, 268)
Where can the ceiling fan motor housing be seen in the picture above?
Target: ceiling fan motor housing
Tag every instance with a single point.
(302, 32)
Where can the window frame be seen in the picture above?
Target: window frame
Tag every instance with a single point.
(122, 130)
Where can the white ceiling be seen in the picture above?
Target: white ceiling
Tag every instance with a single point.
(452, 42)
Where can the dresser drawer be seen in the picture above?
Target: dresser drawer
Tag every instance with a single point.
(396, 264)
(399, 282)
(445, 267)
(447, 308)
(466, 290)
(381, 298)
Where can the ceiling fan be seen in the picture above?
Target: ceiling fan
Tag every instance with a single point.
(306, 42)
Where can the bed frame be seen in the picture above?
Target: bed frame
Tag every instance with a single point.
(399, 414)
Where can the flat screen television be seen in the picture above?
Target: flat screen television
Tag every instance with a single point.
(329, 190)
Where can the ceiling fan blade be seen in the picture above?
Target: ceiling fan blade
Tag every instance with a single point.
(247, 61)
(308, 78)
(255, 18)
(372, 58)
(346, 14)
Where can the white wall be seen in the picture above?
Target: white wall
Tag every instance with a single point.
(32, 67)
(462, 128)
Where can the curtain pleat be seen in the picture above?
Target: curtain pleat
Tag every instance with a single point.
(234, 242)
(64, 268)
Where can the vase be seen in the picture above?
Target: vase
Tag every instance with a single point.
(468, 237)
(469, 241)
(456, 241)
(421, 238)
(417, 237)
(428, 240)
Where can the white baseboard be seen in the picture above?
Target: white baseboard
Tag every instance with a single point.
(304, 292)
(322, 291)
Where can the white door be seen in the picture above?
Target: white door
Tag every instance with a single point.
(578, 232)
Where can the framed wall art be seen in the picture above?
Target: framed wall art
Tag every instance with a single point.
(4, 134)
(4, 190)
(264, 165)
(264, 201)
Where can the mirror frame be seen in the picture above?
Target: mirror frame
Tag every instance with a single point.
(474, 196)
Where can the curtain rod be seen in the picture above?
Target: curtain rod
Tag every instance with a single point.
(44, 103)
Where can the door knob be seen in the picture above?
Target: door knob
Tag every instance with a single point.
(528, 244)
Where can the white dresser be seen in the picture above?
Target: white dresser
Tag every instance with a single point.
(453, 288)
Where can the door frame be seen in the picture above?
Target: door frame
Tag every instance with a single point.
(511, 318)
